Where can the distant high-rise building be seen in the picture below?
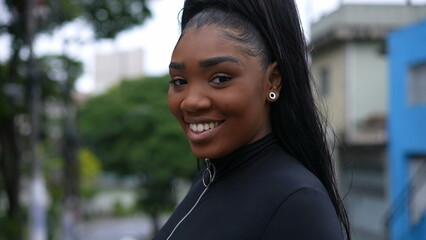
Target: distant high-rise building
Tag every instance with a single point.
(113, 68)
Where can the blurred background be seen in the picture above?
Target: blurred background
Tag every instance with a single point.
(89, 150)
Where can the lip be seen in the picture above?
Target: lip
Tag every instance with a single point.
(196, 137)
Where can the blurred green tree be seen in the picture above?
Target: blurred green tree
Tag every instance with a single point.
(14, 125)
(132, 131)
(22, 77)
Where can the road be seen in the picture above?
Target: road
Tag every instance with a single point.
(129, 228)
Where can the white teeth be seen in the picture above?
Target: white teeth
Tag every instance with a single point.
(200, 127)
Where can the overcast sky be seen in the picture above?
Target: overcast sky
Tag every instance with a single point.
(156, 37)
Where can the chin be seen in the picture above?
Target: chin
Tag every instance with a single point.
(207, 153)
(201, 152)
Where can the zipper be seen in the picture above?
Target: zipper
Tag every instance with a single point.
(209, 175)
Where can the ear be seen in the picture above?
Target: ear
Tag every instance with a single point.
(273, 81)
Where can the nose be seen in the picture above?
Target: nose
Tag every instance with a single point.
(195, 100)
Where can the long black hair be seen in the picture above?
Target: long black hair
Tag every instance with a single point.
(271, 29)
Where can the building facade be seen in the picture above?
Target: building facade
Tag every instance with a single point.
(112, 68)
(350, 68)
(407, 132)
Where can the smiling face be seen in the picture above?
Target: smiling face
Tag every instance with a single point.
(218, 92)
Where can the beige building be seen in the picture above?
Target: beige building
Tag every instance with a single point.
(350, 67)
(110, 69)
(349, 62)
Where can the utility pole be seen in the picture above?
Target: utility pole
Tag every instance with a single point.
(37, 220)
(71, 171)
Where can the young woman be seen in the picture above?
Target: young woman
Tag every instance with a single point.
(240, 88)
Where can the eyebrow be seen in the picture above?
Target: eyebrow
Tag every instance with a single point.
(207, 62)
(177, 65)
(216, 60)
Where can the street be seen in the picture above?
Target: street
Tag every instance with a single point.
(127, 228)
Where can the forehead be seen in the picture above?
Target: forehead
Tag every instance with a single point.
(206, 41)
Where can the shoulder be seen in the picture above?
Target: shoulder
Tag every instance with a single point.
(285, 171)
(306, 214)
(305, 210)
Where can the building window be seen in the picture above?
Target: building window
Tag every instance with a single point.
(325, 81)
(417, 84)
(417, 168)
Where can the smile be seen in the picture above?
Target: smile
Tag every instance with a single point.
(201, 127)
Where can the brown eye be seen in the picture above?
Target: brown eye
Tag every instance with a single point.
(220, 79)
(177, 82)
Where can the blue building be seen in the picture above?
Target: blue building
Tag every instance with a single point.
(407, 133)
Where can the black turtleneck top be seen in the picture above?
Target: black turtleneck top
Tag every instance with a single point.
(257, 192)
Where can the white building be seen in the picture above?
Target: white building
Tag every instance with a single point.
(110, 69)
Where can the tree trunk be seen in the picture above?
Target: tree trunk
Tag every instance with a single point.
(10, 169)
(69, 148)
(10, 148)
(71, 165)
(155, 223)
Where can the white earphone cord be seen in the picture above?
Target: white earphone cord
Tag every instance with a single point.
(211, 176)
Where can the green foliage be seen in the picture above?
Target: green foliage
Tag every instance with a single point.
(7, 97)
(52, 167)
(107, 18)
(90, 171)
(11, 228)
(132, 131)
(110, 17)
(57, 74)
(60, 69)
(120, 210)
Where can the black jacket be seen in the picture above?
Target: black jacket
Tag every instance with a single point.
(258, 192)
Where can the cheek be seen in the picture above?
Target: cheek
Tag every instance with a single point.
(248, 109)
(244, 100)
(240, 106)
(173, 102)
